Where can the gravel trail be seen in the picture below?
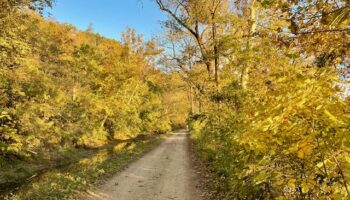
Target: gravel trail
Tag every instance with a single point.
(164, 173)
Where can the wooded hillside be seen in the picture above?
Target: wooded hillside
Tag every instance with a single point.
(62, 88)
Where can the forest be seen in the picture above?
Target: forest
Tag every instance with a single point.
(262, 85)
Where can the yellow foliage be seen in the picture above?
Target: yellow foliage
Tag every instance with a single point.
(119, 147)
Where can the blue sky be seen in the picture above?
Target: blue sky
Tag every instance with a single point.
(110, 17)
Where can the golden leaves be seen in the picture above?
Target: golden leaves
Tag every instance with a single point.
(332, 117)
(305, 148)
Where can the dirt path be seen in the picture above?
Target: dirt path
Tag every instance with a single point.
(164, 173)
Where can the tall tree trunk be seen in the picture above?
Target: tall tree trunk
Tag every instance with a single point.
(252, 20)
(208, 65)
(191, 99)
(252, 29)
(216, 55)
(215, 42)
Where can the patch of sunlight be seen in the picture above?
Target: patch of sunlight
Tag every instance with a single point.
(132, 146)
(121, 136)
(148, 169)
(119, 147)
(97, 195)
(174, 138)
(100, 157)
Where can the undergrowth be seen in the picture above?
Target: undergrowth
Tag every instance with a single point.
(68, 182)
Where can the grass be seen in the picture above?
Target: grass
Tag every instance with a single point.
(69, 181)
(16, 171)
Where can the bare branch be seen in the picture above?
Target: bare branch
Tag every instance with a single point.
(177, 19)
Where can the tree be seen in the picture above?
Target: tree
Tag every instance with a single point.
(280, 129)
(201, 21)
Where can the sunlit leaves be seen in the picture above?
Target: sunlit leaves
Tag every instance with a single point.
(63, 87)
(288, 133)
